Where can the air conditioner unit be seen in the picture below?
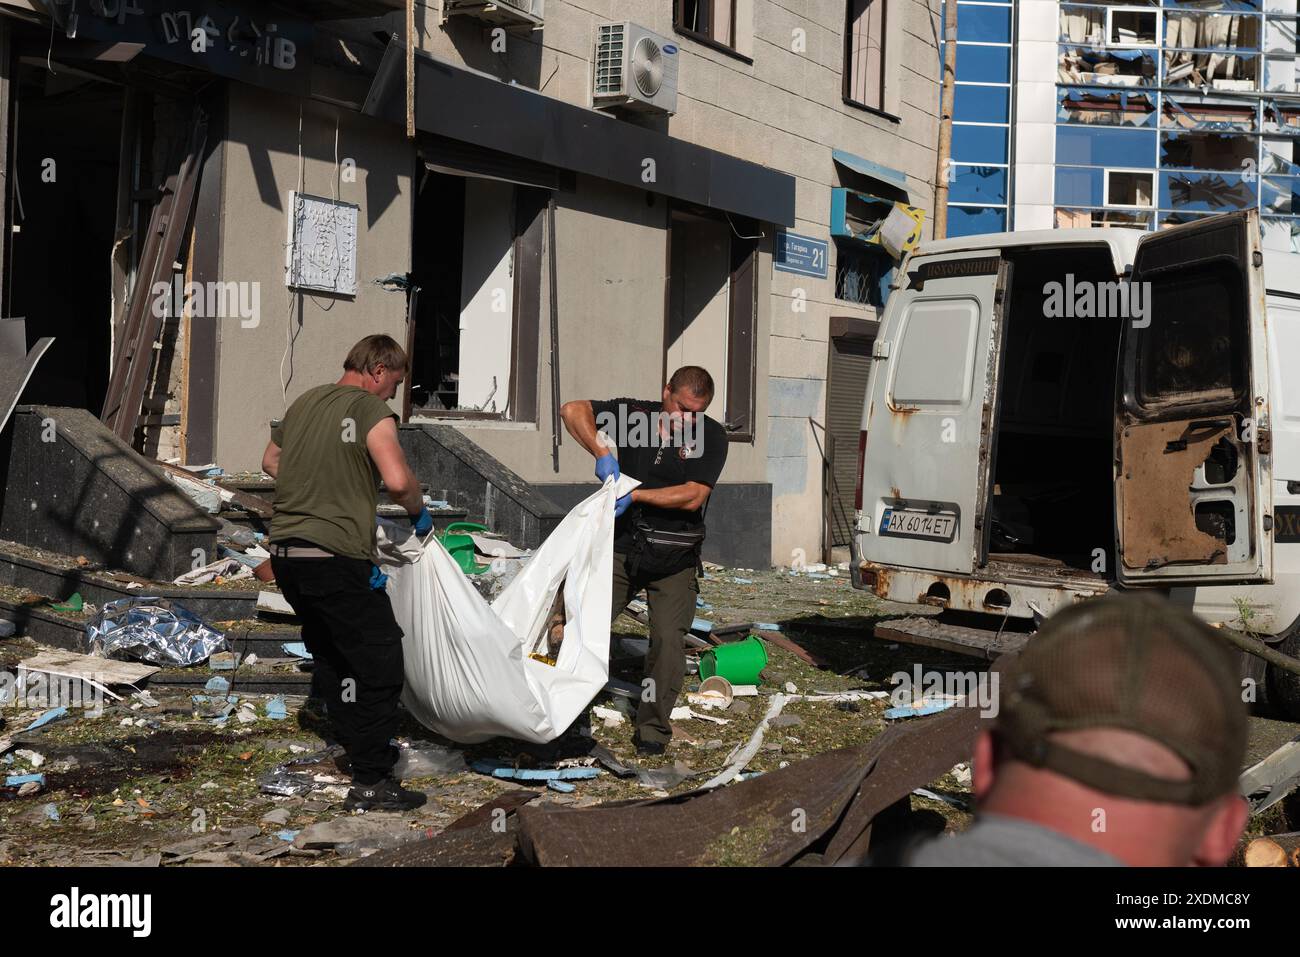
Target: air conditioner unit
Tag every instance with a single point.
(635, 69)
(505, 12)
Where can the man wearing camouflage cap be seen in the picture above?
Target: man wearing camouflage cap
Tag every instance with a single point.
(1119, 741)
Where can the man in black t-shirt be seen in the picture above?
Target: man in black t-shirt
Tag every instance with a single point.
(677, 453)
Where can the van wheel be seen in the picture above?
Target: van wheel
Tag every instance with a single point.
(1284, 686)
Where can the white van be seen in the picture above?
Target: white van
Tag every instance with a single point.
(1053, 414)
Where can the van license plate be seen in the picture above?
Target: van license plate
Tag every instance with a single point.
(909, 523)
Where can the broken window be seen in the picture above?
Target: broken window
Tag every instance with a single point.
(1103, 107)
(1109, 66)
(1211, 49)
(1278, 157)
(978, 184)
(1128, 187)
(1280, 194)
(1206, 151)
(1210, 115)
(1132, 26)
(476, 261)
(1206, 192)
(1281, 233)
(975, 220)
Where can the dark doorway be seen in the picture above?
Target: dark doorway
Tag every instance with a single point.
(62, 206)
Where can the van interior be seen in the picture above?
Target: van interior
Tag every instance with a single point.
(1053, 494)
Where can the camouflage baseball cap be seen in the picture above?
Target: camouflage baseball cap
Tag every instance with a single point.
(1139, 664)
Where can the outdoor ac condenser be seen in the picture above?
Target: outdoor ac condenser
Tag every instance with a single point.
(634, 69)
(505, 12)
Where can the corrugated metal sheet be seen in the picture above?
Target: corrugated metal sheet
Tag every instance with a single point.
(850, 364)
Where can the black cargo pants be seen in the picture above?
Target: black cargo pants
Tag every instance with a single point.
(356, 648)
(671, 600)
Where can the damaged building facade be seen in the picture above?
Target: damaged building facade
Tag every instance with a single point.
(208, 205)
(1136, 114)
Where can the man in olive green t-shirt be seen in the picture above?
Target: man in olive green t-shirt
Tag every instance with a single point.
(327, 456)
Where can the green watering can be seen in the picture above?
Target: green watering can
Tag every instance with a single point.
(461, 546)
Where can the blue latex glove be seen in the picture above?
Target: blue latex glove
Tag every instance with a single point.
(606, 466)
(378, 579)
(621, 505)
(422, 523)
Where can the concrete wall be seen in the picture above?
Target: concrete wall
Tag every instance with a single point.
(261, 167)
(783, 110)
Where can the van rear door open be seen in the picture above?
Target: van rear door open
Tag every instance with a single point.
(927, 425)
(1193, 472)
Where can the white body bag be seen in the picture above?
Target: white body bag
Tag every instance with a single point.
(469, 676)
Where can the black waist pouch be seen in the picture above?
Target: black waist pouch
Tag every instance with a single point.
(658, 552)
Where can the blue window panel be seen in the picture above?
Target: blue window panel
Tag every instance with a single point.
(983, 64)
(984, 24)
(978, 184)
(1106, 146)
(973, 220)
(1078, 187)
(981, 104)
(979, 144)
(1206, 192)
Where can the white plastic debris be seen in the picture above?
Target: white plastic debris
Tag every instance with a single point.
(610, 717)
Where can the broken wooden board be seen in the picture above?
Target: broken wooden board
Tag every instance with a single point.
(102, 671)
(839, 791)
(978, 642)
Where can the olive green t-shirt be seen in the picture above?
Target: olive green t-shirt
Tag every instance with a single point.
(327, 486)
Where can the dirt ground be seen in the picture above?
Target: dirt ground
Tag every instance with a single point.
(157, 784)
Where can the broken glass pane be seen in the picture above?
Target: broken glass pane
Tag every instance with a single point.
(1206, 192)
(973, 220)
(1111, 67)
(1280, 194)
(978, 184)
(1200, 151)
(1100, 106)
(1222, 115)
(1280, 74)
(1277, 157)
(1281, 233)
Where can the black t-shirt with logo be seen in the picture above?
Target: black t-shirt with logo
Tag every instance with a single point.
(697, 455)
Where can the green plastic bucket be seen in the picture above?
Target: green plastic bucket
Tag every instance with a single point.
(738, 662)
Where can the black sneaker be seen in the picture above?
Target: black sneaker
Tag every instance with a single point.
(387, 795)
(648, 748)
